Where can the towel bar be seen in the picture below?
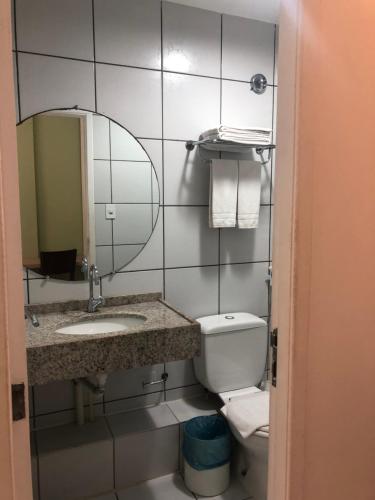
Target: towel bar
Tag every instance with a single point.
(217, 145)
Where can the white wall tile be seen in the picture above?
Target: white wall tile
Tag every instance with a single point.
(134, 403)
(54, 397)
(103, 227)
(102, 181)
(128, 383)
(244, 108)
(55, 27)
(55, 419)
(243, 288)
(131, 182)
(101, 137)
(188, 239)
(143, 420)
(34, 468)
(191, 40)
(125, 146)
(151, 256)
(246, 245)
(146, 455)
(277, 34)
(133, 223)
(187, 174)
(75, 461)
(248, 48)
(191, 105)
(193, 291)
(186, 392)
(132, 97)
(155, 214)
(48, 83)
(185, 409)
(42, 290)
(180, 373)
(124, 254)
(154, 151)
(133, 282)
(104, 260)
(128, 32)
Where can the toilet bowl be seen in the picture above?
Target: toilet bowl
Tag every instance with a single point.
(231, 364)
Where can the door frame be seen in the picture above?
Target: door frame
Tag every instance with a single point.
(291, 271)
(87, 176)
(15, 463)
(287, 402)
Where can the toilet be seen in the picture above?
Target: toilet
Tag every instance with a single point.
(231, 364)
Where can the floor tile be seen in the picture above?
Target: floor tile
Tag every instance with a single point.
(235, 492)
(169, 487)
(146, 455)
(107, 496)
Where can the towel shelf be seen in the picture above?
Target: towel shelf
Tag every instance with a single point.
(232, 147)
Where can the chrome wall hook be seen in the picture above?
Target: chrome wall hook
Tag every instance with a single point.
(258, 83)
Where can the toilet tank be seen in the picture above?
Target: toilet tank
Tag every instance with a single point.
(233, 351)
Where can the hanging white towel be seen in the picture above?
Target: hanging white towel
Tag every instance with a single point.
(248, 413)
(223, 193)
(249, 187)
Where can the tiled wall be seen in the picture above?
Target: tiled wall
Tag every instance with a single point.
(166, 72)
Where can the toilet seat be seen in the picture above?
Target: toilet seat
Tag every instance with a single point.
(243, 393)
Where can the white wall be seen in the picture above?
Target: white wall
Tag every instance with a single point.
(164, 97)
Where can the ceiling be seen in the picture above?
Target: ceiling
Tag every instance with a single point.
(263, 10)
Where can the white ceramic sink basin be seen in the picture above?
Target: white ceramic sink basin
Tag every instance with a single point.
(102, 325)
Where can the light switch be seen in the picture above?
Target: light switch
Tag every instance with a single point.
(110, 211)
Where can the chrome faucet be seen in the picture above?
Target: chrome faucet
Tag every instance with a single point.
(94, 303)
(32, 317)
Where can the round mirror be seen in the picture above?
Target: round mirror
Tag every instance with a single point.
(88, 193)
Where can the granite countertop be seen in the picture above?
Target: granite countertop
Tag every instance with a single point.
(165, 335)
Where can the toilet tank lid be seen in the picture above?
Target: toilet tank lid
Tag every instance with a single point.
(228, 322)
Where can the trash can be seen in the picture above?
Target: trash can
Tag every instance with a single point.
(206, 450)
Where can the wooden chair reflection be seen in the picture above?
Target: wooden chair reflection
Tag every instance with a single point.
(60, 262)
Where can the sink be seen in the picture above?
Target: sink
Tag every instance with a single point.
(97, 326)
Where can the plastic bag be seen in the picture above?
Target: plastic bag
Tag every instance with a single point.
(207, 442)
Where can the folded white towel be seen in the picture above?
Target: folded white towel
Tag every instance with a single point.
(248, 413)
(239, 135)
(223, 193)
(249, 187)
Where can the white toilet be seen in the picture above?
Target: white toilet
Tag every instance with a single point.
(231, 364)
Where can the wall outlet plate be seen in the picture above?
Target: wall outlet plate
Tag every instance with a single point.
(110, 211)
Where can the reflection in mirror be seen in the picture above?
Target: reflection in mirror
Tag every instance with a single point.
(88, 190)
